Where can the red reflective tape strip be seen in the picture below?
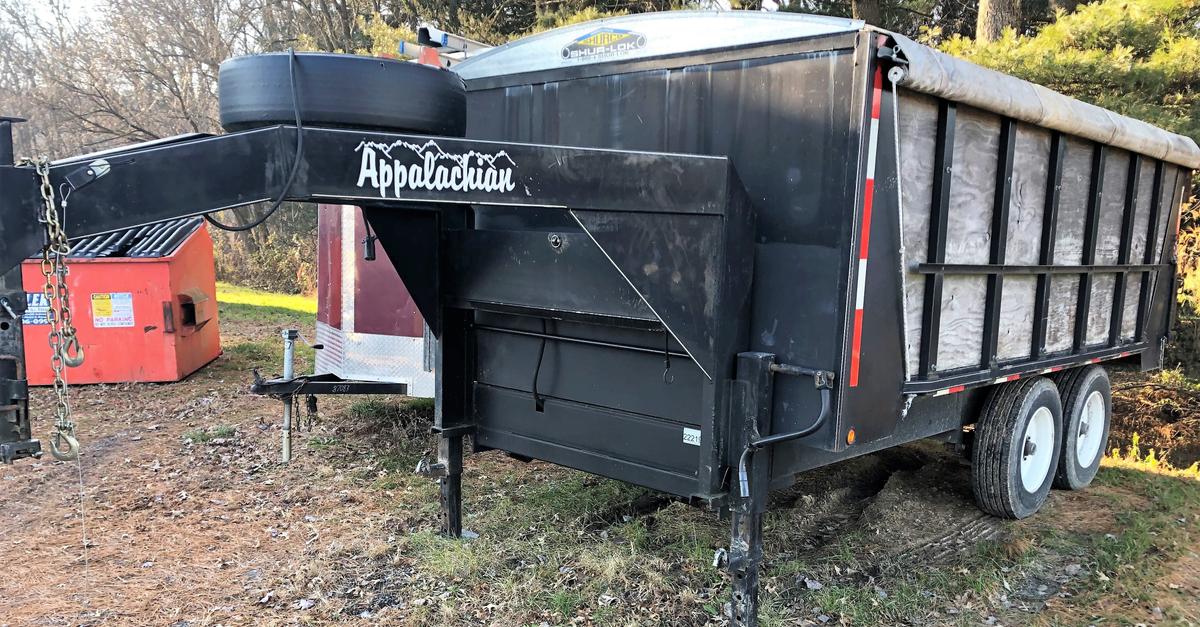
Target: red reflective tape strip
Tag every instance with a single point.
(877, 94)
(1094, 361)
(868, 204)
(856, 347)
(954, 390)
(865, 232)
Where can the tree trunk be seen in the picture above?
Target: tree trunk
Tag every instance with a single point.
(867, 11)
(995, 16)
(1066, 6)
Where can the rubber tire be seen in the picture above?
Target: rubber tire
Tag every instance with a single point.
(1074, 388)
(999, 443)
(342, 91)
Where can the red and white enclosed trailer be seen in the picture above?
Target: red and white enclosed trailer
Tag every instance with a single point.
(367, 323)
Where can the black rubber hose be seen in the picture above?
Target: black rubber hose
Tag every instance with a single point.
(287, 186)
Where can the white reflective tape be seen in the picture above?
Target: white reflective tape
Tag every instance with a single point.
(872, 143)
(862, 284)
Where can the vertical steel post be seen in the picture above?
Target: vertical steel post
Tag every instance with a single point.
(1091, 226)
(289, 354)
(1117, 318)
(450, 456)
(16, 436)
(1149, 255)
(1041, 308)
(999, 245)
(751, 403)
(943, 175)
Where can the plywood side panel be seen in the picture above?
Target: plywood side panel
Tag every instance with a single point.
(1072, 202)
(1068, 245)
(1112, 207)
(972, 196)
(1133, 294)
(1141, 216)
(972, 186)
(1015, 336)
(960, 344)
(1171, 192)
(1060, 315)
(1031, 158)
(918, 131)
(1100, 309)
(1170, 198)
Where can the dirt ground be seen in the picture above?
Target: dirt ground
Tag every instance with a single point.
(190, 519)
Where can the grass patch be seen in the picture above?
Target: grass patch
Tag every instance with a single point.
(256, 307)
(564, 603)
(390, 411)
(285, 303)
(323, 443)
(200, 436)
(255, 353)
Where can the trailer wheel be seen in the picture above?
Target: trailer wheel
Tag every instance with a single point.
(1087, 409)
(1017, 442)
(341, 90)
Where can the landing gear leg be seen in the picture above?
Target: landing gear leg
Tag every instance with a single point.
(450, 457)
(752, 399)
(745, 557)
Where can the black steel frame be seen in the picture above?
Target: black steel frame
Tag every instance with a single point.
(999, 243)
(943, 165)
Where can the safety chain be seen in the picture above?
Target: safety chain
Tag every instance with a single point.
(65, 350)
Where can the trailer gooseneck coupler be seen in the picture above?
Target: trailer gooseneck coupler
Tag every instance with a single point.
(843, 263)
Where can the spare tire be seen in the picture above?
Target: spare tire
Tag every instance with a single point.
(341, 90)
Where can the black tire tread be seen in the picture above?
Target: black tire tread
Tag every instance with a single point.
(1069, 389)
(990, 474)
(341, 90)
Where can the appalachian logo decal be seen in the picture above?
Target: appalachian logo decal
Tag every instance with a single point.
(602, 43)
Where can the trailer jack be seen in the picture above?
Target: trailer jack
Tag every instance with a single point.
(755, 389)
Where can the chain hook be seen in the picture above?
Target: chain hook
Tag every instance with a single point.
(64, 433)
(73, 352)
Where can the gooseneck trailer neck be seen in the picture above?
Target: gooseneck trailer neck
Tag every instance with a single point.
(705, 267)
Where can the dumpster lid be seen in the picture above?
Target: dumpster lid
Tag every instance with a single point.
(153, 240)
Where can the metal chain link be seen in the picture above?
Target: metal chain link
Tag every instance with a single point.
(65, 350)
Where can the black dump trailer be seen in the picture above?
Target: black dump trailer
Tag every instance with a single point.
(704, 252)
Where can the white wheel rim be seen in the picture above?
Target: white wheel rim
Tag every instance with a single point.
(1037, 449)
(1090, 431)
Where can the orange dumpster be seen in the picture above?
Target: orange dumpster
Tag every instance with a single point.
(143, 301)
